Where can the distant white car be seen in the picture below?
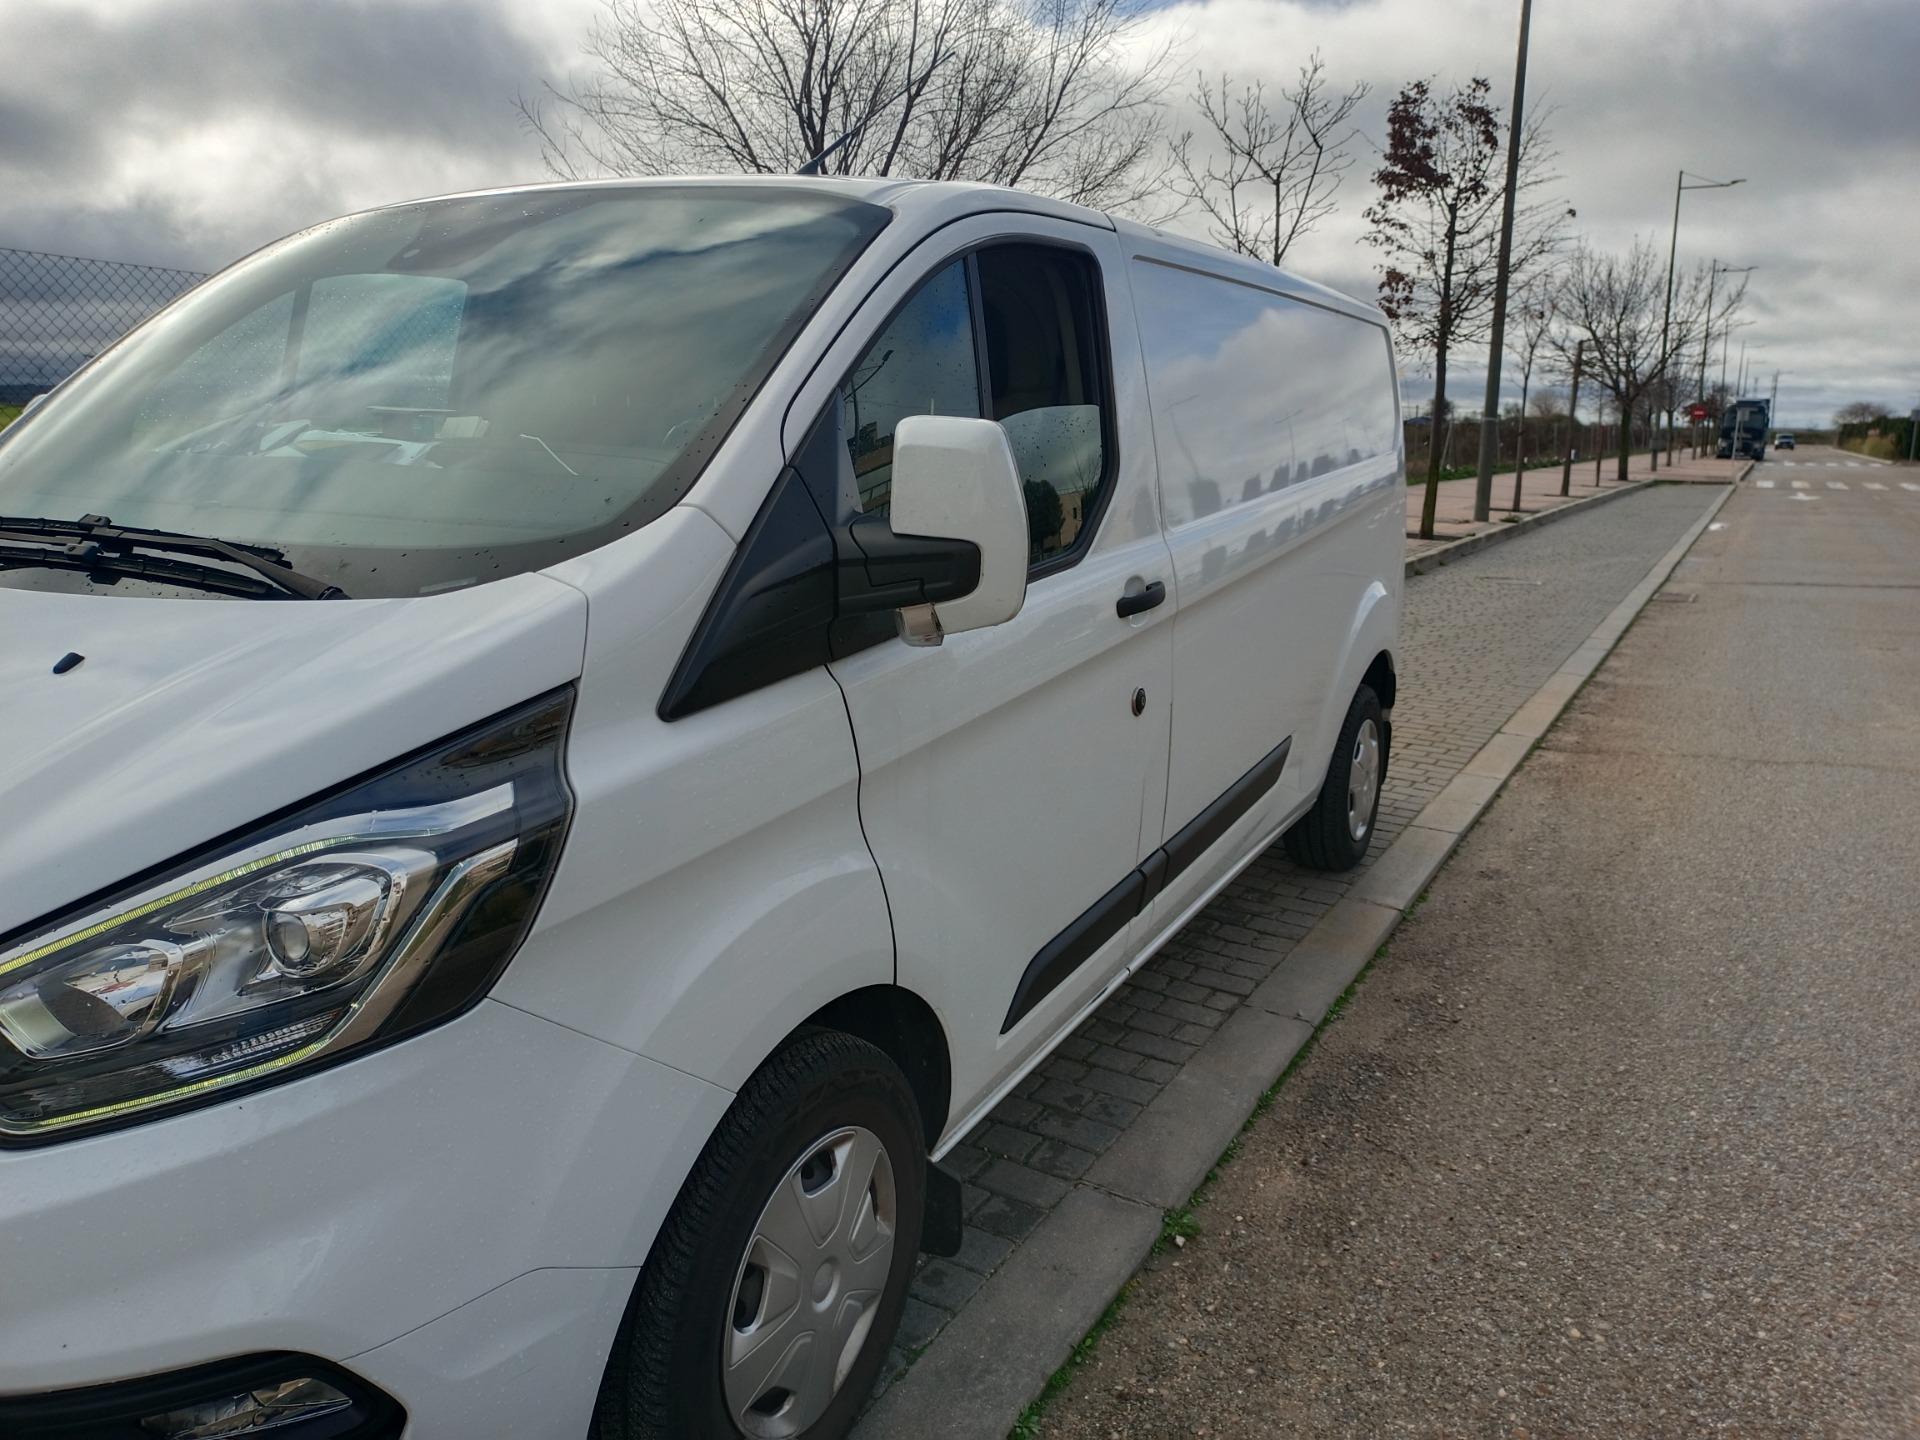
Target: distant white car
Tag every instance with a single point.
(1783, 441)
(784, 652)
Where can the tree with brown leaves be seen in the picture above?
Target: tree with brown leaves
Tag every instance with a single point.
(1437, 226)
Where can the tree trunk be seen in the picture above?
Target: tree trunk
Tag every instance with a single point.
(1626, 439)
(1431, 500)
(1520, 444)
(1573, 419)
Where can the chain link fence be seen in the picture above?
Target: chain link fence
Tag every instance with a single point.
(58, 311)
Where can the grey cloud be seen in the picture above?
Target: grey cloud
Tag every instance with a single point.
(434, 75)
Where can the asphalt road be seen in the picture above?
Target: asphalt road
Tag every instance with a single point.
(1622, 1135)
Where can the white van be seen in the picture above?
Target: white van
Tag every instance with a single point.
(747, 667)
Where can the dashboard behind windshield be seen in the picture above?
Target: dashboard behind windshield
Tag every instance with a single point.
(435, 395)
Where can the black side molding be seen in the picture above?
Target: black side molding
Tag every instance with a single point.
(1107, 916)
(1075, 945)
(1196, 837)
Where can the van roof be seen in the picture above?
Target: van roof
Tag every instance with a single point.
(894, 194)
(938, 201)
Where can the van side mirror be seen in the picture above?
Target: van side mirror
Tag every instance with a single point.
(33, 404)
(956, 479)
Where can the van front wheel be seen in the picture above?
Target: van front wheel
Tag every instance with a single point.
(1335, 833)
(778, 1279)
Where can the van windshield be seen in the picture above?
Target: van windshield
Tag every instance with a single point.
(440, 394)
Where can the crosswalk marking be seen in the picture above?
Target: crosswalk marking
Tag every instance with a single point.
(1909, 485)
(1873, 485)
(1836, 484)
(1764, 484)
(1799, 484)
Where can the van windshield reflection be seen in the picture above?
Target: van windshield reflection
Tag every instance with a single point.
(441, 393)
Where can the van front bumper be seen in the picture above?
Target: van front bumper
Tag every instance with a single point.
(456, 1220)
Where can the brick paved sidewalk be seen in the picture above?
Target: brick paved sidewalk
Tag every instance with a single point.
(1480, 636)
(1540, 490)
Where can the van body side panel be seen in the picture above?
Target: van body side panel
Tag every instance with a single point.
(716, 888)
(1007, 784)
(1274, 422)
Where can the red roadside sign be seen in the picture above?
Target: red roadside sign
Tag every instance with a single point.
(1696, 411)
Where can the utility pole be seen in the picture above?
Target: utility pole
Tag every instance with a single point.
(1573, 418)
(1490, 412)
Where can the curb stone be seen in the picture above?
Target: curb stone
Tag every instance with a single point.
(1024, 1322)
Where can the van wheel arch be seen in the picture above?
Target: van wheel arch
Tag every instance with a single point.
(903, 1026)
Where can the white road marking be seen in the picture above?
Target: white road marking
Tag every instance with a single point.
(1909, 485)
(1764, 484)
(1873, 485)
(1836, 484)
(1806, 497)
(1800, 484)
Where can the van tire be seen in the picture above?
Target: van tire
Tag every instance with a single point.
(1323, 838)
(664, 1379)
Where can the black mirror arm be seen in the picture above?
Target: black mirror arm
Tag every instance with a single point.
(879, 570)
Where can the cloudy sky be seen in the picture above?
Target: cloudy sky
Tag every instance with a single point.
(185, 132)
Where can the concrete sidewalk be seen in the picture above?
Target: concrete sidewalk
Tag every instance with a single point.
(1540, 491)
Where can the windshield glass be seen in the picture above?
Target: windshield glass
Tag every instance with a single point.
(440, 394)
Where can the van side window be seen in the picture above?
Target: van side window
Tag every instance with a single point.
(1047, 383)
(1254, 391)
(921, 364)
(1045, 380)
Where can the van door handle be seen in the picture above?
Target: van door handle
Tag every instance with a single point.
(1144, 599)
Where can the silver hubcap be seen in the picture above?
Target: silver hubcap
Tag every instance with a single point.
(807, 1289)
(1363, 779)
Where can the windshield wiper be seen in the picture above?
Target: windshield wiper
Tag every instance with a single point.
(93, 542)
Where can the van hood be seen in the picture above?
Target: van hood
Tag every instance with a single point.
(188, 719)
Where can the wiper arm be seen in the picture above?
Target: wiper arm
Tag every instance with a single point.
(147, 567)
(95, 542)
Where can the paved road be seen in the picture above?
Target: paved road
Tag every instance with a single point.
(1622, 1136)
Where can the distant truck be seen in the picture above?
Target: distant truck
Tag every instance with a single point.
(1743, 430)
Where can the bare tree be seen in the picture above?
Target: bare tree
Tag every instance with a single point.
(1042, 94)
(1859, 412)
(1535, 314)
(1437, 225)
(1270, 170)
(1613, 303)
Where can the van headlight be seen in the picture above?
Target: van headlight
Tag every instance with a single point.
(372, 913)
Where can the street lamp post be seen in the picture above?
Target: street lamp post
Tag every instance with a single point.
(1490, 412)
(1680, 186)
